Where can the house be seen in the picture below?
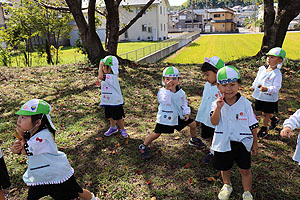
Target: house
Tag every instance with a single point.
(3, 16)
(186, 20)
(152, 26)
(222, 20)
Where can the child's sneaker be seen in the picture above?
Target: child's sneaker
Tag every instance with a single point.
(263, 132)
(194, 141)
(124, 133)
(208, 158)
(247, 196)
(144, 151)
(274, 123)
(225, 192)
(110, 131)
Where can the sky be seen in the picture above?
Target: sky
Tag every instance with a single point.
(176, 2)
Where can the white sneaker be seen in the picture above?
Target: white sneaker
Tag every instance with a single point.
(225, 192)
(247, 196)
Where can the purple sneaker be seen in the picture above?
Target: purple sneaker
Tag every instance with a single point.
(110, 131)
(124, 133)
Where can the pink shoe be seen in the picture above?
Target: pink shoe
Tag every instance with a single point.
(110, 131)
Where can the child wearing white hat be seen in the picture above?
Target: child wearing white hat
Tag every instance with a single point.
(210, 93)
(4, 180)
(288, 125)
(173, 112)
(235, 133)
(49, 171)
(266, 87)
(111, 95)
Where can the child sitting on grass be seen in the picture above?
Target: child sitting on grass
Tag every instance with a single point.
(173, 112)
(111, 95)
(266, 87)
(210, 93)
(49, 171)
(288, 125)
(235, 134)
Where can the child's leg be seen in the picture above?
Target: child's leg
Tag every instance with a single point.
(150, 138)
(193, 128)
(2, 197)
(226, 176)
(120, 123)
(246, 179)
(86, 195)
(112, 122)
(266, 119)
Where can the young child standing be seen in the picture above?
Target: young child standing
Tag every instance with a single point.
(173, 112)
(210, 93)
(49, 171)
(266, 87)
(4, 178)
(111, 95)
(235, 133)
(289, 125)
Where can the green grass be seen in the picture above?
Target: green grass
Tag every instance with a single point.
(231, 47)
(113, 169)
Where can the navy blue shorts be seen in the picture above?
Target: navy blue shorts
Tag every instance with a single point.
(161, 128)
(266, 107)
(206, 131)
(114, 112)
(224, 160)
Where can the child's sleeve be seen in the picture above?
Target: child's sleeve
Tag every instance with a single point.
(252, 121)
(38, 146)
(186, 110)
(293, 121)
(255, 82)
(164, 96)
(276, 85)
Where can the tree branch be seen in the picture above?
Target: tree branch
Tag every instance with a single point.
(139, 15)
(91, 15)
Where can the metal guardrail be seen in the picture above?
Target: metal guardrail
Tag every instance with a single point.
(142, 52)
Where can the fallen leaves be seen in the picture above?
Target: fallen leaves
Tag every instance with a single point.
(188, 165)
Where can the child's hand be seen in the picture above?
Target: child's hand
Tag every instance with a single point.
(98, 82)
(186, 117)
(263, 89)
(251, 88)
(254, 148)
(220, 100)
(17, 147)
(286, 132)
(169, 84)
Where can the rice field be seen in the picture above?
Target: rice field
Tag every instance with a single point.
(231, 47)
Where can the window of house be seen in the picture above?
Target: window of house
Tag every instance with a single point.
(149, 29)
(144, 27)
(164, 27)
(223, 25)
(183, 17)
(222, 14)
(161, 27)
(216, 15)
(161, 10)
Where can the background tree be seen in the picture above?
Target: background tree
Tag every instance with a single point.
(276, 22)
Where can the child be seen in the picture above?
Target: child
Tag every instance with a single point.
(235, 134)
(173, 112)
(111, 95)
(4, 178)
(288, 125)
(266, 87)
(49, 171)
(210, 93)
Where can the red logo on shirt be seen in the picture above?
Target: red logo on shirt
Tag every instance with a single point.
(241, 113)
(39, 139)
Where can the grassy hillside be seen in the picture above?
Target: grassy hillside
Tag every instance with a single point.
(113, 169)
(231, 47)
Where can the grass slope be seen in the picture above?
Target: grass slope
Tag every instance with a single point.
(113, 169)
(231, 47)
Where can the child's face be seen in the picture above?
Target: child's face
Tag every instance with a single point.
(107, 69)
(273, 60)
(229, 90)
(210, 76)
(172, 81)
(24, 123)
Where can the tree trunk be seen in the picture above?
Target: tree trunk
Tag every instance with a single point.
(276, 23)
(88, 35)
(112, 26)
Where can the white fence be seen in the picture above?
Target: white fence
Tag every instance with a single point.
(155, 52)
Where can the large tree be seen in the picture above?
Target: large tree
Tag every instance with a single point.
(276, 22)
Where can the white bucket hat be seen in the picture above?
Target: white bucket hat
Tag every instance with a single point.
(215, 61)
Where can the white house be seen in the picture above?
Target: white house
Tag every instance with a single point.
(153, 25)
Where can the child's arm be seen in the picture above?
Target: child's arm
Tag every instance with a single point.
(18, 147)
(275, 87)
(255, 82)
(215, 117)
(100, 73)
(254, 147)
(186, 110)
(164, 96)
(290, 124)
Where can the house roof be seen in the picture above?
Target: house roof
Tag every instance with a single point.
(141, 2)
